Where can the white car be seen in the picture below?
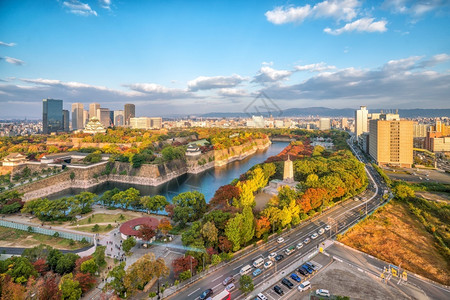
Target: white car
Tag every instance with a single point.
(306, 241)
(230, 287)
(272, 256)
(268, 264)
(328, 227)
(314, 236)
(324, 293)
(262, 297)
(280, 240)
(321, 231)
(305, 285)
(299, 245)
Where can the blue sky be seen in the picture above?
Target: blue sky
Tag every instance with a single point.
(172, 57)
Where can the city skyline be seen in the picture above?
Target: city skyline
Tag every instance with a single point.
(337, 54)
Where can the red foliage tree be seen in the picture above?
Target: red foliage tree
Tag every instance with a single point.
(224, 244)
(169, 209)
(164, 226)
(11, 290)
(315, 196)
(86, 280)
(78, 263)
(211, 251)
(224, 195)
(47, 287)
(41, 266)
(262, 226)
(183, 264)
(146, 232)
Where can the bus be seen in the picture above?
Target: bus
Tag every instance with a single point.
(224, 295)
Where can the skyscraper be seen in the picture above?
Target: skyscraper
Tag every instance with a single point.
(93, 109)
(391, 141)
(324, 124)
(118, 118)
(66, 120)
(129, 112)
(52, 115)
(77, 116)
(104, 117)
(361, 121)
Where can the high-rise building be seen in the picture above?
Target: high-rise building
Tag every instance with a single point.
(361, 121)
(118, 118)
(391, 142)
(104, 117)
(85, 117)
(111, 118)
(129, 112)
(93, 109)
(77, 116)
(66, 120)
(324, 124)
(145, 123)
(344, 123)
(52, 115)
(420, 130)
(256, 122)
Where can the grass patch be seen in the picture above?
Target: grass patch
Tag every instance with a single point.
(10, 237)
(396, 234)
(106, 218)
(101, 228)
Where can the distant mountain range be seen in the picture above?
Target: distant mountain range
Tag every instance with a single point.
(334, 112)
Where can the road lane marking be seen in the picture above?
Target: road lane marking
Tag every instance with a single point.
(193, 292)
(218, 278)
(271, 249)
(238, 267)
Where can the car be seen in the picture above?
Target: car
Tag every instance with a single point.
(322, 292)
(206, 294)
(278, 290)
(230, 287)
(306, 241)
(328, 227)
(312, 266)
(287, 283)
(289, 250)
(268, 264)
(272, 256)
(321, 231)
(299, 245)
(279, 257)
(314, 236)
(307, 268)
(280, 240)
(262, 297)
(305, 285)
(257, 272)
(228, 280)
(296, 277)
(303, 271)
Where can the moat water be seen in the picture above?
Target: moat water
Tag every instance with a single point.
(206, 182)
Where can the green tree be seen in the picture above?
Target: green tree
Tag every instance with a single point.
(248, 225)
(53, 257)
(210, 232)
(19, 268)
(70, 288)
(402, 192)
(189, 207)
(85, 201)
(117, 275)
(216, 259)
(233, 231)
(246, 284)
(154, 203)
(129, 197)
(99, 256)
(193, 235)
(89, 266)
(72, 175)
(129, 243)
(66, 263)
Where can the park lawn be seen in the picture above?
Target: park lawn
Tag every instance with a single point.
(394, 234)
(102, 228)
(106, 218)
(22, 239)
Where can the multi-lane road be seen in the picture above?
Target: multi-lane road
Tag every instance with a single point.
(339, 217)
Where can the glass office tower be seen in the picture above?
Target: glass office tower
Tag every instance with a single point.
(52, 115)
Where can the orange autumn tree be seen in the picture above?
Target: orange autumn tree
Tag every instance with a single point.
(262, 226)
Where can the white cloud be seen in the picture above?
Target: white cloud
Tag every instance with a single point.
(13, 61)
(231, 92)
(361, 25)
(7, 44)
(106, 4)
(337, 9)
(208, 83)
(157, 89)
(268, 74)
(79, 8)
(415, 8)
(319, 67)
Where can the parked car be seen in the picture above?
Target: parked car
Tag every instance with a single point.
(321, 231)
(272, 255)
(305, 285)
(312, 266)
(314, 236)
(322, 292)
(303, 271)
(328, 227)
(268, 264)
(230, 287)
(262, 297)
(257, 272)
(307, 268)
(278, 290)
(279, 257)
(296, 277)
(280, 240)
(306, 241)
(206, 294)
(228, 280)
(287, 283)
(299, 245)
